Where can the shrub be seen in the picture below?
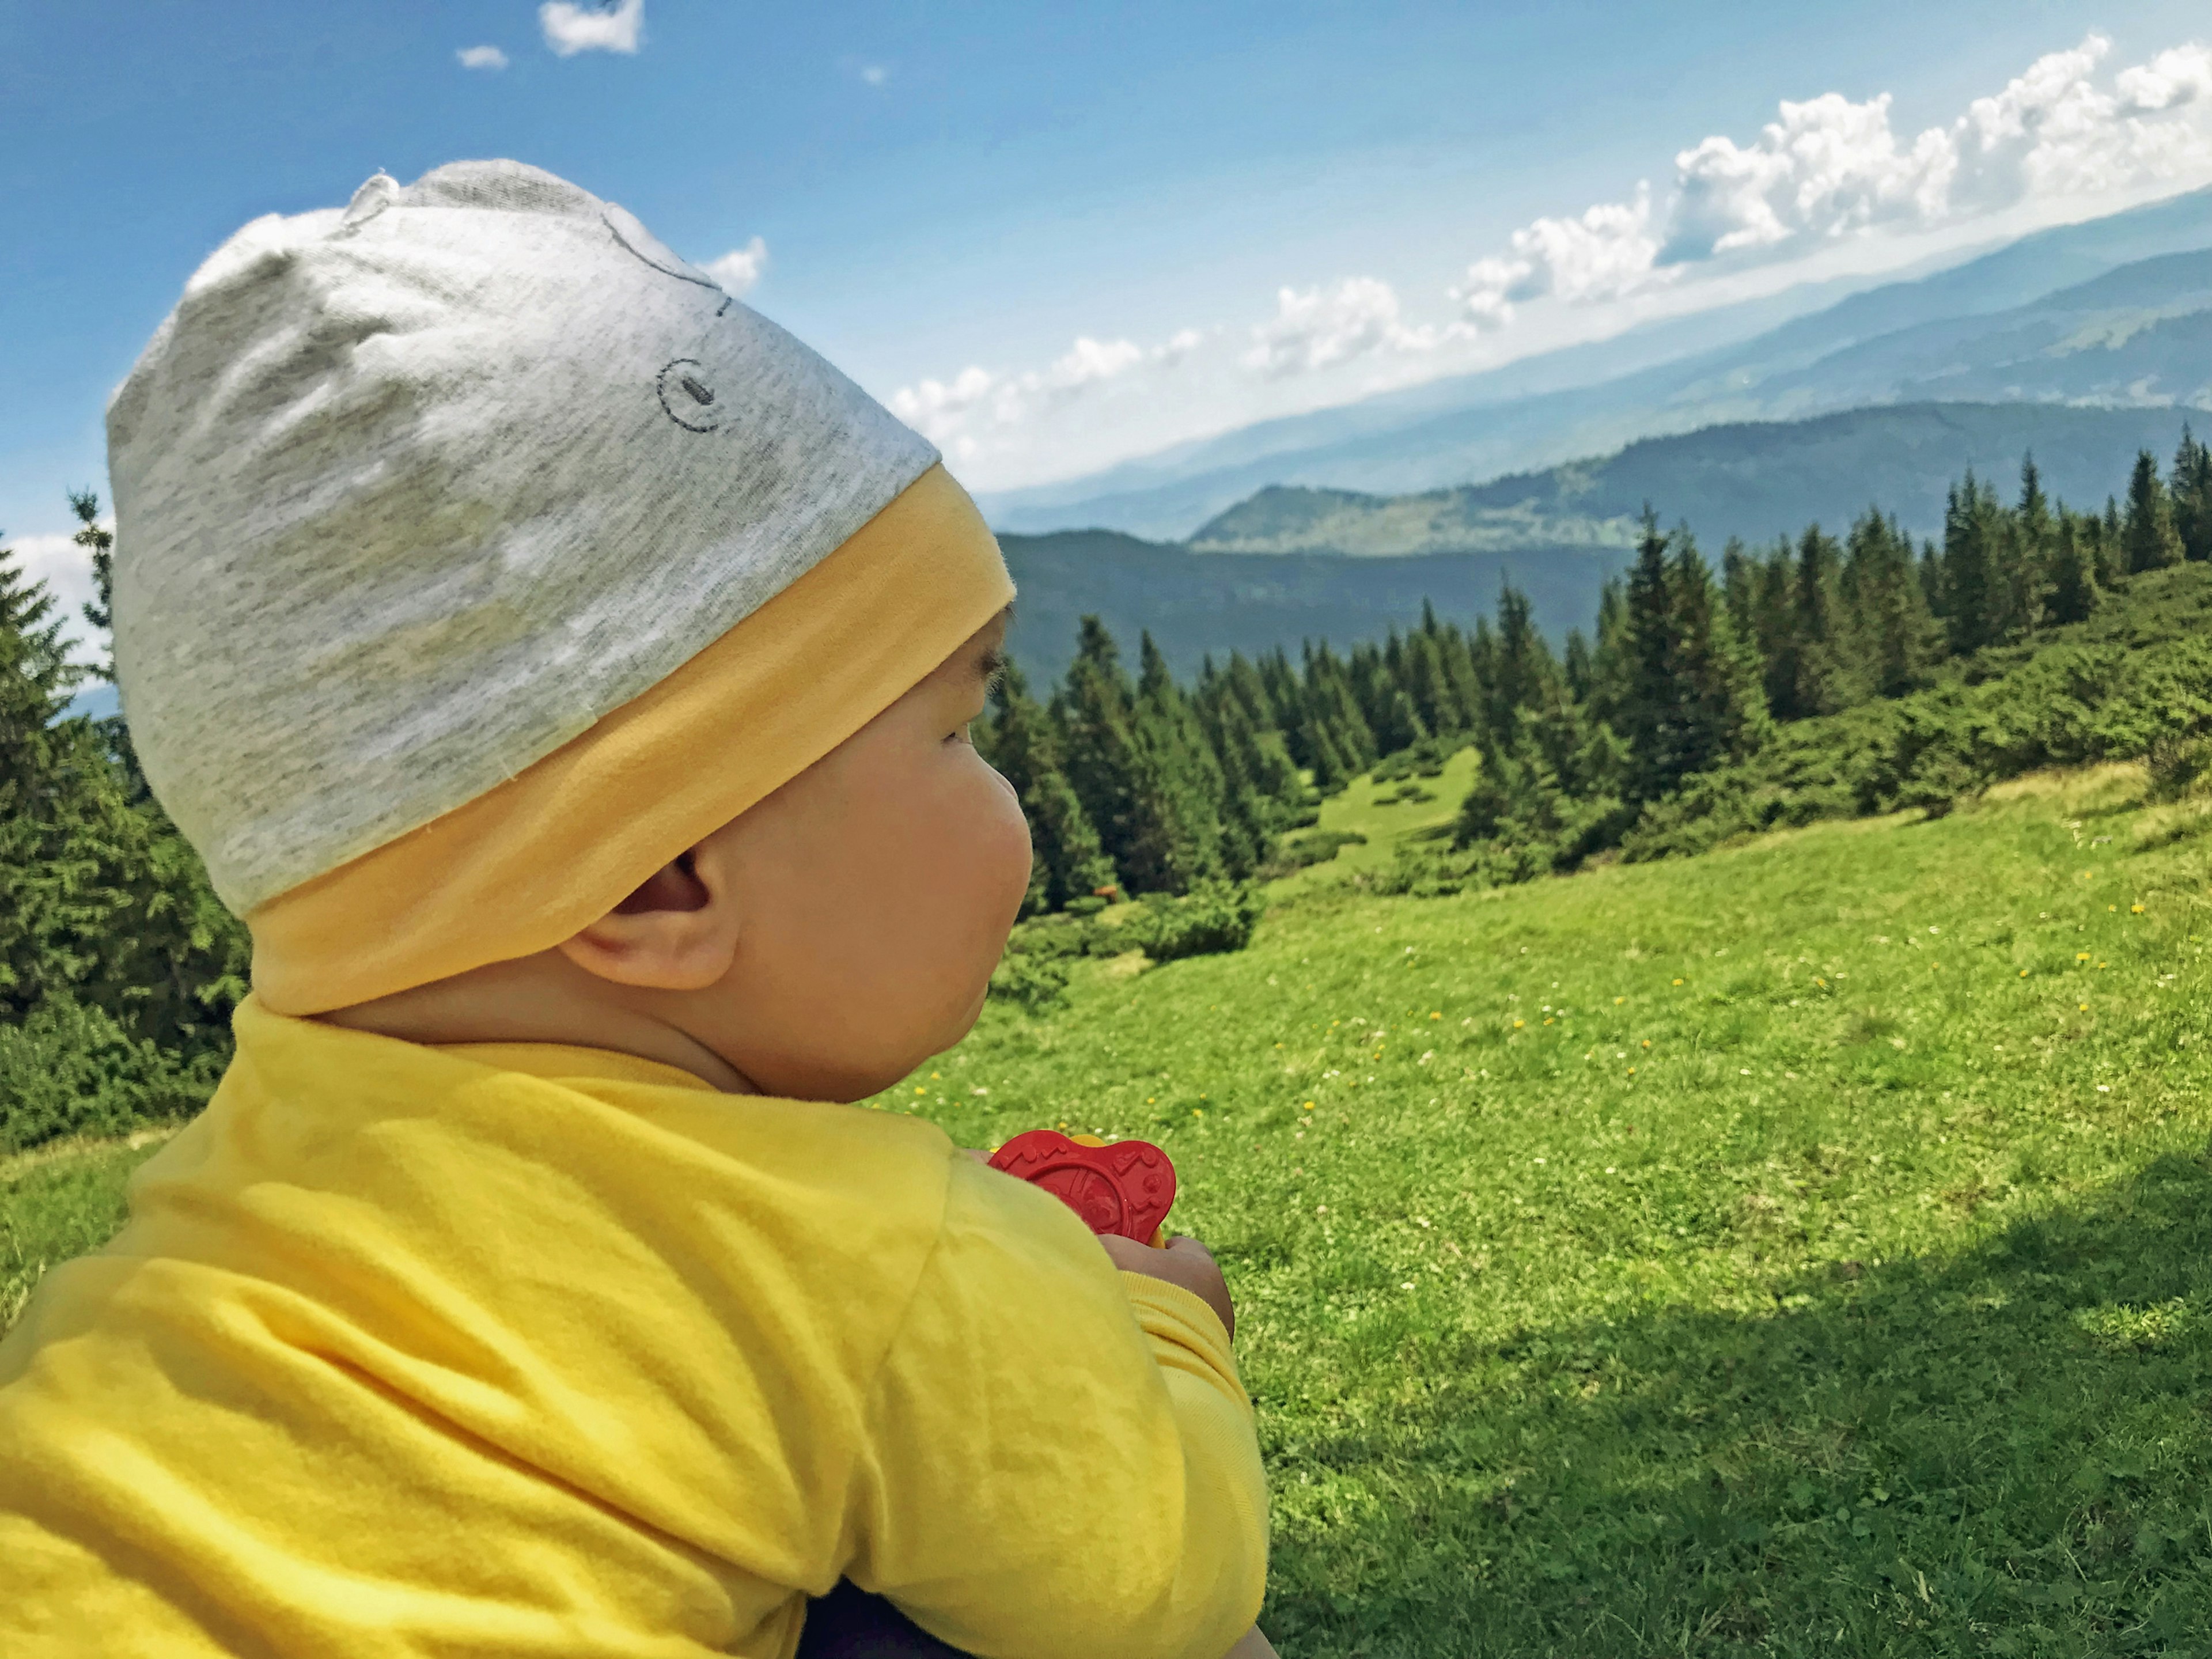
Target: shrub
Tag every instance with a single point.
(1213, 917)
(69, 1068)
(1031, 982)
(2178, 764)
(1315, 847)
(1424, 759)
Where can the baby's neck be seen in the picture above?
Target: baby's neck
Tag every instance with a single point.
(540, 999)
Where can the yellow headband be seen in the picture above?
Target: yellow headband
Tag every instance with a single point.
(528, 864)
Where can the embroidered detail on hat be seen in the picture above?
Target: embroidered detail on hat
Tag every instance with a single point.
(687, 398)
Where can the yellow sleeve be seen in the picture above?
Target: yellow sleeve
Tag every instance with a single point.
(1061, 1459)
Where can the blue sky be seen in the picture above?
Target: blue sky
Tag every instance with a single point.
(1056, 235)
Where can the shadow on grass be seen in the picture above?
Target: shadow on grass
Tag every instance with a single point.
(2008, 1451)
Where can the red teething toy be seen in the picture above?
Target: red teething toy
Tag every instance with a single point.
(1125, 1188)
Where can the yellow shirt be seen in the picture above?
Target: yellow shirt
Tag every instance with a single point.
(534, 1351)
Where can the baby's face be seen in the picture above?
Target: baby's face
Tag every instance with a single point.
(874, 893)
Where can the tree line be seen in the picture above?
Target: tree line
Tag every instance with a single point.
(1143, 785)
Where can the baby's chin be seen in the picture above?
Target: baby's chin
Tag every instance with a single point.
(835, 1077)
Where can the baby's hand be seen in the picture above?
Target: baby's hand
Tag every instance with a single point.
(1185, 1261)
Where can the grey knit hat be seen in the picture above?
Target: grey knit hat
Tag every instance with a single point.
(410, 494)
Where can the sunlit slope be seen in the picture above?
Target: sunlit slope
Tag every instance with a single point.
(1712, 1256)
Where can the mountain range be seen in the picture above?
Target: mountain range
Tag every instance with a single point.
(2115, 312)
(1754, 480)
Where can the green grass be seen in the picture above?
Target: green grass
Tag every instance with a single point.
(1376, 811)
(1762, 1252)
(60, 1201)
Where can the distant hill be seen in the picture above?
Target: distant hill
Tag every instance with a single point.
(1756, 480)
(2028, 323)
(1293, 564)
(1193, 604)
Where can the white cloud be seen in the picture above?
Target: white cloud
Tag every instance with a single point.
(1324, 326)
(962, 414)
(1828, 169)
(571, 28)
(482, 58)
(740, 267)
(1606, 253)
(874, 73)
(2179, 76)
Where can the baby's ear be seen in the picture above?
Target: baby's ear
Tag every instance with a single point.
(676, 931)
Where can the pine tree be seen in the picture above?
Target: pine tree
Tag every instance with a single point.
(2026, 560)
(1422, 673)
(1178, 788)
(1773, 620)
(1579, 666)
(1019, 738)
(38, 809)
(101, 901)
(2148, 537)
(1970, 559)
(98, 541)
(1811, 674)
(1094, 714)
(1723, 712)
(1334, 707)
(1522, 667)
(1898, 641)
(2112, 563)
(2192, 496)
(2072, 571)
(1740, 588)
(1646, 717)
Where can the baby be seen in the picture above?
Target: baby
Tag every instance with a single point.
(567, 676)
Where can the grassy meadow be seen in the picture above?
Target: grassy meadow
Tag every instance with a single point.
(1803, 1248)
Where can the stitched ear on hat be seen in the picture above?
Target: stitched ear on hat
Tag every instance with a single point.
(634, 236)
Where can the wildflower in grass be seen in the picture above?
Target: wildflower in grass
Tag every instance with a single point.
(1310, 1105)
(2135, 910)
(2081, 956)
(1518, 1024)
(2085, 1007)
(1439, 1013)
(2023, 973)
(1677, 981)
